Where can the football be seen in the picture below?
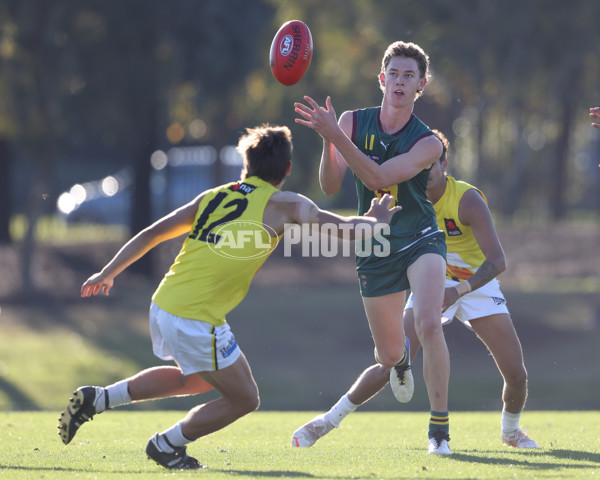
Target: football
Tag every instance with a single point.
(291, 52)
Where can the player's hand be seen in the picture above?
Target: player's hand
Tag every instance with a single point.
(381, 209)
(323, 120)
(450, 297)
(99, 282)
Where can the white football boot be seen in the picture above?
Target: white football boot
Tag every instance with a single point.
(309, 433)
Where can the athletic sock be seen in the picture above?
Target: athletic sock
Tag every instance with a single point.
(101, 400)
(339, 411)
(117, 394)
(406, 353)
(438, 422)
(510, 421)
(171, 438)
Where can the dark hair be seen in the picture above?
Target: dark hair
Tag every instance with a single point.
(266, 152)
(445, 144)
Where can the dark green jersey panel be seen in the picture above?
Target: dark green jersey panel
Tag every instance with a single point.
(417, 212)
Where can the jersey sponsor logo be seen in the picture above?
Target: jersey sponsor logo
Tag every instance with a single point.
(451, 227)
(229, 348)
(243, 188)
(384, 145)
(498, 300)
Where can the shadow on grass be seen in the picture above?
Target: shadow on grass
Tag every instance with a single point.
(530, 458)
(273, 473)
(77, 471)
(578, 455)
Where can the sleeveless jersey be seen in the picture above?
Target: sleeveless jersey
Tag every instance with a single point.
(417, 213)
(226, 246)
(464, 255)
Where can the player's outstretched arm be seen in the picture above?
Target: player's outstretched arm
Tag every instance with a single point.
(170, 226)
(293, 208)
(379, 215)
(398, 169)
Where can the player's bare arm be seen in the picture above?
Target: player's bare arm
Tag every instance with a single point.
(292, 208)
(395, 170)
(332, 169)
(473, 211)
(170, 226)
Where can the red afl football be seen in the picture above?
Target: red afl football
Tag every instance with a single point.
(291, 52)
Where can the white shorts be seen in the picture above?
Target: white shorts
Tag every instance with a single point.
(487, 300)
(196, 346)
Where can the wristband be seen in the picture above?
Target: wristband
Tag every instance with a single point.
(463, 288)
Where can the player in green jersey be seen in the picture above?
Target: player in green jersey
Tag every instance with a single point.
(390, 151)
(475, 257)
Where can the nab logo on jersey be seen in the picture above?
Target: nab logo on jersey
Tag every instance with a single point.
(242, 187)
(452, 228)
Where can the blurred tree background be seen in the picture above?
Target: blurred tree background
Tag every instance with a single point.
(90, 87)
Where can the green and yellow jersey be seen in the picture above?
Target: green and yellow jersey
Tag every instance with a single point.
(226, 246)
(417, 213)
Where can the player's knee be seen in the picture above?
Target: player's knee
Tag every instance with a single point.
(429, 331)
(247, 402)
(389, 357)
(517, 378)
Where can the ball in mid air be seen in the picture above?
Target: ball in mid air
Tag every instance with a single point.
(291, 52)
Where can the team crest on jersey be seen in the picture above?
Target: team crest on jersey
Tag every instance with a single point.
(451, 227)
(243, 188)
(392, 190)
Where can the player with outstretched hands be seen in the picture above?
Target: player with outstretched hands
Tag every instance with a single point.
(209, 277)
(390, 151)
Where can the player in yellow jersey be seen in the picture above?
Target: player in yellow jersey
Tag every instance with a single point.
(474, 259)
(230, 231)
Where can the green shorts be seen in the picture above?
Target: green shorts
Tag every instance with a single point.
(388, 275)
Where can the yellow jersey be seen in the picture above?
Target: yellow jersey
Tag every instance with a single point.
(464, 255)
(227, 245)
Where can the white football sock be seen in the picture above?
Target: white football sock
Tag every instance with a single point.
(174, 438)
(100, 401)
(510, 421)
(118, 394)
(339, 411)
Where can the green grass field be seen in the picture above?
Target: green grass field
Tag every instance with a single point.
(367, 446)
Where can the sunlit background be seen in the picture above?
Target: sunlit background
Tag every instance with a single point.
(114, 113)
